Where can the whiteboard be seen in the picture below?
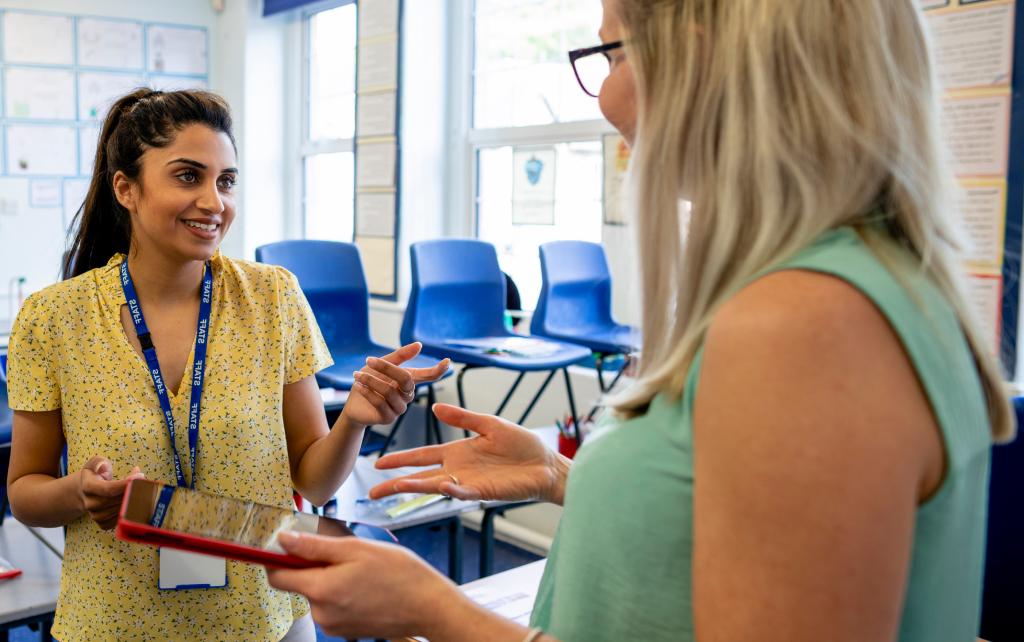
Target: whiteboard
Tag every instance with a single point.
(39, 93)
(41, 150)
(176, 50)
(97, 92)
(39, 235)
(174, 83)
(88, 139)
(75, 190)
(114, 44)
(37, 39)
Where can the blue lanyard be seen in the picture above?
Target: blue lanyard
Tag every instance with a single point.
(198, 367)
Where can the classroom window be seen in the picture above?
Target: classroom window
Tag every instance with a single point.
(329, 123)
(521, 74)
(535, 138)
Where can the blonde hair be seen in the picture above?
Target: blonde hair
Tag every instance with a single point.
(780, 120)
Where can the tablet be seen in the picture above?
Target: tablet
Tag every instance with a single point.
(169, 516)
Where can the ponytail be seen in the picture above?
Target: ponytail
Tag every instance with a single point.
(139, 121)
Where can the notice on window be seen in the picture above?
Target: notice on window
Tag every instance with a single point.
(377, 114)
(973, 45)
(45, 94)
(375, 214)
(377, 18)
(533, 186)
(41, 150)
(977, 128)
(111, 44)
(379, 262)
(616, 164)
(983, 209)
(378, 65)
(375, 164)
(984, 296)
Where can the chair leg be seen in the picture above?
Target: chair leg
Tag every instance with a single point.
(536, 397)
(572, 404)
(508, 396)
(599, 366)
(618, 375)
(433, 425)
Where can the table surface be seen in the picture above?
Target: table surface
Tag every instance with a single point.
(34, 592)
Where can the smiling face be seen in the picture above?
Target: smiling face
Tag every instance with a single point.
(183, 202)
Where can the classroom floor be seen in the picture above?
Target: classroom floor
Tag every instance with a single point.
(429, 543)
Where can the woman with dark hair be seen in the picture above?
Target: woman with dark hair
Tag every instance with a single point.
(230, 406)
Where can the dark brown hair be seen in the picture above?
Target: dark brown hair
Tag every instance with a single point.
(141, 120)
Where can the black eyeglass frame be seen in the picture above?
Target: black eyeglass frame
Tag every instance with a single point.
(576, 54)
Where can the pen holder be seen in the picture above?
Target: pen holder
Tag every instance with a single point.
(567, 446)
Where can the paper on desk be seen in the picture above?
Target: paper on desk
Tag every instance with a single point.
(512, 346)
(514, 605)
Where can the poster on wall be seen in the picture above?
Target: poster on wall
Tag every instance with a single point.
(616, 164)
(973, 44)
(533, 186)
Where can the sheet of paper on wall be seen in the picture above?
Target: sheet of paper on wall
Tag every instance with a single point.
(37, 39)
(174, 83)
(98, 91)
(45, 94)
(375, 214)
(75, 190)
(616, 164)
(375, 164)
(378, 256)
(533, 186)
(925, 5)
(977, 131)
(376, 114)
(973, 45)
(41, 150)
(982, 206)
(88, 141)
(378, 64)
(176, 50)
(377, 18)
(45, 192)
(111, 44)
(984, 295)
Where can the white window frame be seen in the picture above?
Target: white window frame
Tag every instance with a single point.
(477, 139)
(307, 147)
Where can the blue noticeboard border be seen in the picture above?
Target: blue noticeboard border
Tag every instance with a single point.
(1014, 206)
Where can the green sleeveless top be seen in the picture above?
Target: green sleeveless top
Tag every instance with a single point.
(620, 566)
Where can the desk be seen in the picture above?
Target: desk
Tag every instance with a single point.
(364, 476)
(510, 594)
(30, 598)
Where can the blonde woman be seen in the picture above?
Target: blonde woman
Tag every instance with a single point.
(805, 453)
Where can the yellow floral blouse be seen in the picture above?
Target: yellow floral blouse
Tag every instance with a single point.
(68, 350)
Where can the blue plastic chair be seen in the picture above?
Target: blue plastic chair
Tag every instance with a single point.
(575, 304)
(331, 276)
(458, 294)
(1004, 556)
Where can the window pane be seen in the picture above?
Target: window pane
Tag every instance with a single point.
(332, 73)
(330, 197)
(577, 208)
(523, 75)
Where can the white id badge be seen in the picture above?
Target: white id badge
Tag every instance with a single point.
(181, 570)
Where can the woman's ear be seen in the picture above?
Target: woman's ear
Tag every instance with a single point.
(124, 191)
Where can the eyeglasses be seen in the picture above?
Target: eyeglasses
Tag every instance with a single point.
(592, 66)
